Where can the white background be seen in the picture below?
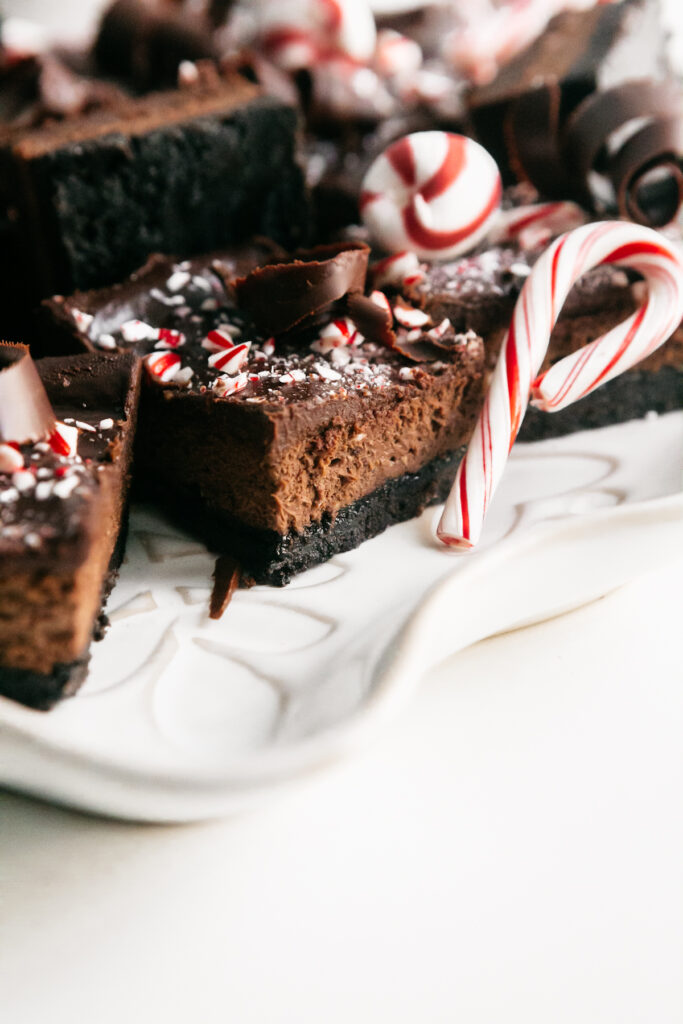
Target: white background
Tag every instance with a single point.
(509, 851)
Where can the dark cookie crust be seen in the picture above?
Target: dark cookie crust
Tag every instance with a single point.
(629, 397)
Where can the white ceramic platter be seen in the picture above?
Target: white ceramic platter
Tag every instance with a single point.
(184, 718)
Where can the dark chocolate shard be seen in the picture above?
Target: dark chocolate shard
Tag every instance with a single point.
(226, 579)
(284, 294)
(25, 411)
(374, 322)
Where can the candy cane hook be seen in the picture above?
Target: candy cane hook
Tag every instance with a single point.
(526, 344)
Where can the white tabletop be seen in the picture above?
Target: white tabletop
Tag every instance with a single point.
(509, 851)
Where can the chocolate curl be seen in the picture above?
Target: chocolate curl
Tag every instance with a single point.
(532, 133)
(552, 152)
(25, 411)
(644, 169)
(282, 295)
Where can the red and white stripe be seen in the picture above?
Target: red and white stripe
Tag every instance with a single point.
(338, 334)
(536, 224)
(64, 439)
(169, 339)
(218, 339)
(434, 193)
(526, 344)
(398, 269)
(231, 359)
(163, 366)
(299, 34)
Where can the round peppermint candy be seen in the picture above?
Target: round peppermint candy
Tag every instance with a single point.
(434, 193)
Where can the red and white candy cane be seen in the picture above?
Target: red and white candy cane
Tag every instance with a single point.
(526, 344)
(433, 193)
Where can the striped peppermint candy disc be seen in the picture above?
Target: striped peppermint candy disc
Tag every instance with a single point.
(526, 344)
(434, 193)
(299, 33)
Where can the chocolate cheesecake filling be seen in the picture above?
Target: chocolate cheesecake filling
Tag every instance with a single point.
(61, 522)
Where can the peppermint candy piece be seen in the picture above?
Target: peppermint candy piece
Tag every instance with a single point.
(400, 268)
(409, 316)
(64, 439)
(571, 378)
(224, 387)
(169, 339)
(396, 54)
(292, 377)
(137, 330)
(231, 359)
(162, 366)
(298, 34)
(434, 193)
(219, 339)
(537, 223)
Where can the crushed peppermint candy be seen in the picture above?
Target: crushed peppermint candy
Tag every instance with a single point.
(106, 341)
(409, 372)
(408, 316)
(440, 330)
(219, 339)
(394, 270)
(137, 330)
(325, 371)
(188, 73)
(82, 320)
(226, 386)
(162, 366)
(184, 376)
(292, 377)
(24, 480)
(166, 300)
(169, 339)
(231, 359)
(178, 280)
(64, 439)
(64, 487)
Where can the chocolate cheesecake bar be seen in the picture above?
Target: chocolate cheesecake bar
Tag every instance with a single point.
(281, 451)
(91, 197)
(62, 526)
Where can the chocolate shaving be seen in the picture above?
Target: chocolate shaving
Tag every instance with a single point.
(285, 294)
(551, 147)
(25, 411)
(656, 144)
(226, 579)
(374, 322)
